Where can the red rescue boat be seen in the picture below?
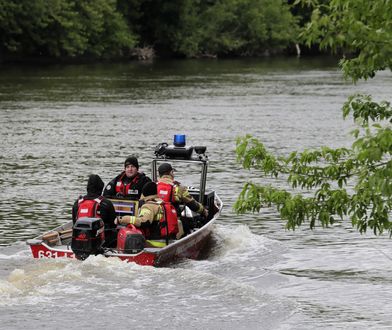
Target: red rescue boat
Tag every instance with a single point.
(57, 243)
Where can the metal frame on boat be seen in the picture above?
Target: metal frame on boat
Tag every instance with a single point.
(57, 242)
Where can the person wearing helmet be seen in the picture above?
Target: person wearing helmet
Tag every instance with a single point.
(128, 183)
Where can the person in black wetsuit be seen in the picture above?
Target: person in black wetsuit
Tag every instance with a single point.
(94, 205)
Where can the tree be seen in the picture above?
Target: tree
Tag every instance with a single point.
(63, 28)
(108, 28)
(356, 182)
(172, 26)
(247, 27)
(232, 27)
(359, 28)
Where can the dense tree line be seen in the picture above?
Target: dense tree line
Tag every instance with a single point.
(114, 28)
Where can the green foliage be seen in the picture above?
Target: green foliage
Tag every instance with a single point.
(174, 26)
(327, 173)
(353, 183)
(249, 27)
(361, 29)
(63, 28)
(107, 28)
(236, 27)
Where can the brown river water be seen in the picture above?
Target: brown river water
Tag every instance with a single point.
(61, 123)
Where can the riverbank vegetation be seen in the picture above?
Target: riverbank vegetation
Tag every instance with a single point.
(113, 29)
(354, 183)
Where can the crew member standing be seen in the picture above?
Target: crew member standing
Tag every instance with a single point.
(129, 183)
(93, 205)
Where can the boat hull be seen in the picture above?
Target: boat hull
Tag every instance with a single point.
(188, 247)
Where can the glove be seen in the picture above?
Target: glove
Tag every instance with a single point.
(121, 221)
(124, 220)
(127, 219)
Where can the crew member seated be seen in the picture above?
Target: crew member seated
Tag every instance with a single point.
(128, 183)
(156, 219)
(173, 192)
(93, 205)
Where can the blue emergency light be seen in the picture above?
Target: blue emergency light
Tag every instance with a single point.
(179, 140)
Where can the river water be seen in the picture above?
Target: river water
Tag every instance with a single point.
(61, 123)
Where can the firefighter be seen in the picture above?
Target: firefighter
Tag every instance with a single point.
(93, 205)
(155, 219)
(171, 191)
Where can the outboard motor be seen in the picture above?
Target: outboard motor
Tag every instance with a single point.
(130, 240)
(88, 236)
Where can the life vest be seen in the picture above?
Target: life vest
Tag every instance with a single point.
(169, 221)
(166, 192)
(89, 208)
(127, 190)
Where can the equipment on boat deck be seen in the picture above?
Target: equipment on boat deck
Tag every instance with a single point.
(179, 140)
(88, 236)
(179, 149)
(130, 240)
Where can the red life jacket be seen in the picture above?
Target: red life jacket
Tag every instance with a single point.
(169, 221)
(166, 192)
(89, 208)
(126, 189)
